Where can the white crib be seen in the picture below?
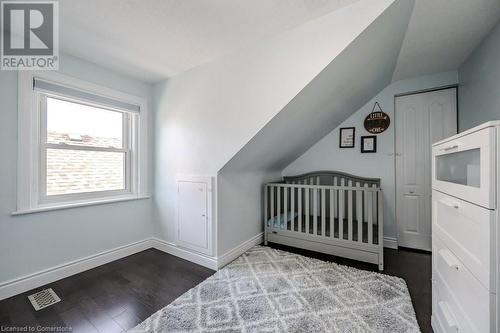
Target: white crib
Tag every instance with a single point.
(327, 211)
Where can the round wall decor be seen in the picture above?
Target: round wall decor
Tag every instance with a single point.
(377, 121)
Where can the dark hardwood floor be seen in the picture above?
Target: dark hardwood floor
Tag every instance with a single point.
(117, 296)
(110, 298)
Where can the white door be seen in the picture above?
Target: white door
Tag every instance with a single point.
(421, 120)
(193, 214)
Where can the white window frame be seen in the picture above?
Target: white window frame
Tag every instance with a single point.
(32, 145)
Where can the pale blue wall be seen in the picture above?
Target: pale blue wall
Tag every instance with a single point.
(325, 154)
(479, 92)
(34, 242)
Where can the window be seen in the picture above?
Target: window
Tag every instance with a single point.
(78, 145)
(83, 150)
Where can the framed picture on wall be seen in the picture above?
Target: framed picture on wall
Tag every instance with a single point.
(369, 144)
(346, 139)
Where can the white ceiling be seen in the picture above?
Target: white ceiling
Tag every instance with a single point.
(442, 33)
(155, 39)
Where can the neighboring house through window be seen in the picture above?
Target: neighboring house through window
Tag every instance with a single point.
(79, 144)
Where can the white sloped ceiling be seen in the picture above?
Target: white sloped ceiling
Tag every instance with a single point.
(357, 74)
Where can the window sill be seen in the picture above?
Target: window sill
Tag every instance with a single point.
(78, 204)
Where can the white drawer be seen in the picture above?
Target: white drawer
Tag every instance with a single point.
(447, 316)
(469, 231)
(466, 295)
(465, 167)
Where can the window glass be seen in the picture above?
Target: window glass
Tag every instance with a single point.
(82, 125)
(80, 171)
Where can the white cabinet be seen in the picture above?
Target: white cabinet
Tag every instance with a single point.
(194, 213)
(465, 233)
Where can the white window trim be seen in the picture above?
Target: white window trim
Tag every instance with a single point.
(29, 174)
(127, 149)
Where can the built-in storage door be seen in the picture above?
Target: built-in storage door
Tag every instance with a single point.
(421, 120)
(464, 167)
(193, 214)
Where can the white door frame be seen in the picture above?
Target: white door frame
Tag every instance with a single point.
(416, 92)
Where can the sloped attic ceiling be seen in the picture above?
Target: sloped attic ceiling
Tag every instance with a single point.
(206, 115)
(442, 34)
(347, 83)
(156, 39)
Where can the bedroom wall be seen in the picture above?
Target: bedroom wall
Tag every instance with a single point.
(325, 154)
(325, 102)
(206, 115)
(479, 91)
(33, 242)
(240, 193)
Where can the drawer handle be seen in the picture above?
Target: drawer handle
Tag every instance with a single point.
(449, 258)
(449, 148)
(448, 316)
(449, 203)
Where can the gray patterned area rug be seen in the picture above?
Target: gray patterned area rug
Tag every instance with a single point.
(268, 290)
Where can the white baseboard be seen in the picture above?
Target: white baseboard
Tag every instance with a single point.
(234, 253)
(35, 280)
(25, 283)
(180, 252)
(391, 243)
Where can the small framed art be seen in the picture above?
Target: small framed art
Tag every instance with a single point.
(369, 144)
(346, 139)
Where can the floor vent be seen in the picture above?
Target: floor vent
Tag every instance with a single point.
(43, 299)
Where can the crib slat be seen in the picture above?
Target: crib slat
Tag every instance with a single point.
(299, 202)
(285, 207)
(307, 203)
(272, 206)
(266, 190)
(350, 194)
(335, 208)
(359, 214)
(374, 208)
(310, 196)
(365, 204)
(369, 200)
(380, 227)
(278, 205)
(315, 211)
(292, 207)
(323, 212)
(316, 220)
(341, 210)
(332, 213)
